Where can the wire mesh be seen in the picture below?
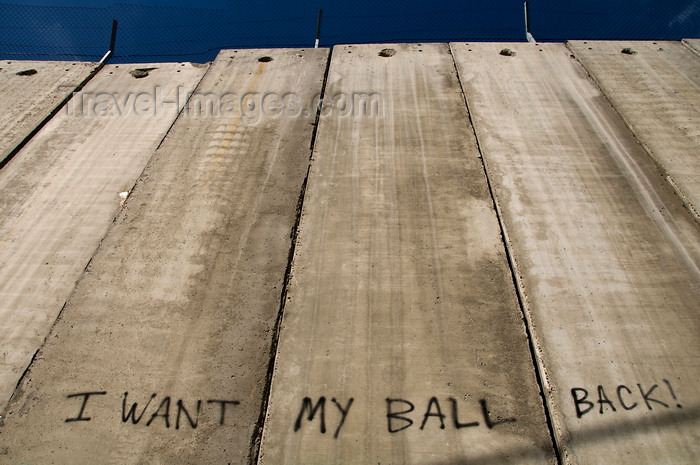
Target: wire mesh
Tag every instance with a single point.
(158, 33)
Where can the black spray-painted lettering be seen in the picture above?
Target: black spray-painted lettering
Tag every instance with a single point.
(181, 409)
(579, 400)
(455, 417)
(85, 396)
(429, 413)
(487, 416)
(308, 408)
(343, 412)
(647, 396)
(307, 405)
(673, 393)
(626, 398)
(603, 399)
(391, 415)
(222, 407)
(434, 410)
(621, 400)
(165, 406)
(182, 413)
(132, 411)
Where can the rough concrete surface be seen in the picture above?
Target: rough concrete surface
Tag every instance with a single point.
(402, 341)
(403, 338)
(693, 44)
(171, 326)
(60, 194)
(28, 98)
(656, 90)
(606, 255)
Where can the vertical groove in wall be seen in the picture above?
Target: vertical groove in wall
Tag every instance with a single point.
(184, 107)
(690, 47)
(50, 116)
(21, 379)
(256, 438)
(687, 203)
(536, 361)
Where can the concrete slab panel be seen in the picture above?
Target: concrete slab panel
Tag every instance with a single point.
(26, 99)
(61, 192)
(606, 256)
(166, 341)
(402, 341)
(694, 44)
(656, 90)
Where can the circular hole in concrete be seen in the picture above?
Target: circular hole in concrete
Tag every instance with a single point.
(265, 59)
(387, 52)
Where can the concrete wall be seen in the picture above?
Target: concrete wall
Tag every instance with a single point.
(469, 253)
(605, 254)
(61, 192)
(655, 90)
(31, 92)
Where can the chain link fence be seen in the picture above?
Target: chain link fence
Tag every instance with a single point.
(157, 33)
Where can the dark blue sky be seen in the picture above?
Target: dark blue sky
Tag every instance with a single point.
(156, 30)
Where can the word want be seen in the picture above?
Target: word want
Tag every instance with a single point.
(625, 398)
(167, 412)
(397, 414)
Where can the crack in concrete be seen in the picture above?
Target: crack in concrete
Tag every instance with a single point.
(540, 372)
(256, 439)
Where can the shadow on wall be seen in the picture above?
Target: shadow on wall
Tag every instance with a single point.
(610, 431)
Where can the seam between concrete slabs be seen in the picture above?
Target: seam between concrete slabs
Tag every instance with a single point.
(535, 350)
(184, 106)
(3, 163)
(18, 148)
(687, 45)
(27, 370)
(256, 439)
(687, 204)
